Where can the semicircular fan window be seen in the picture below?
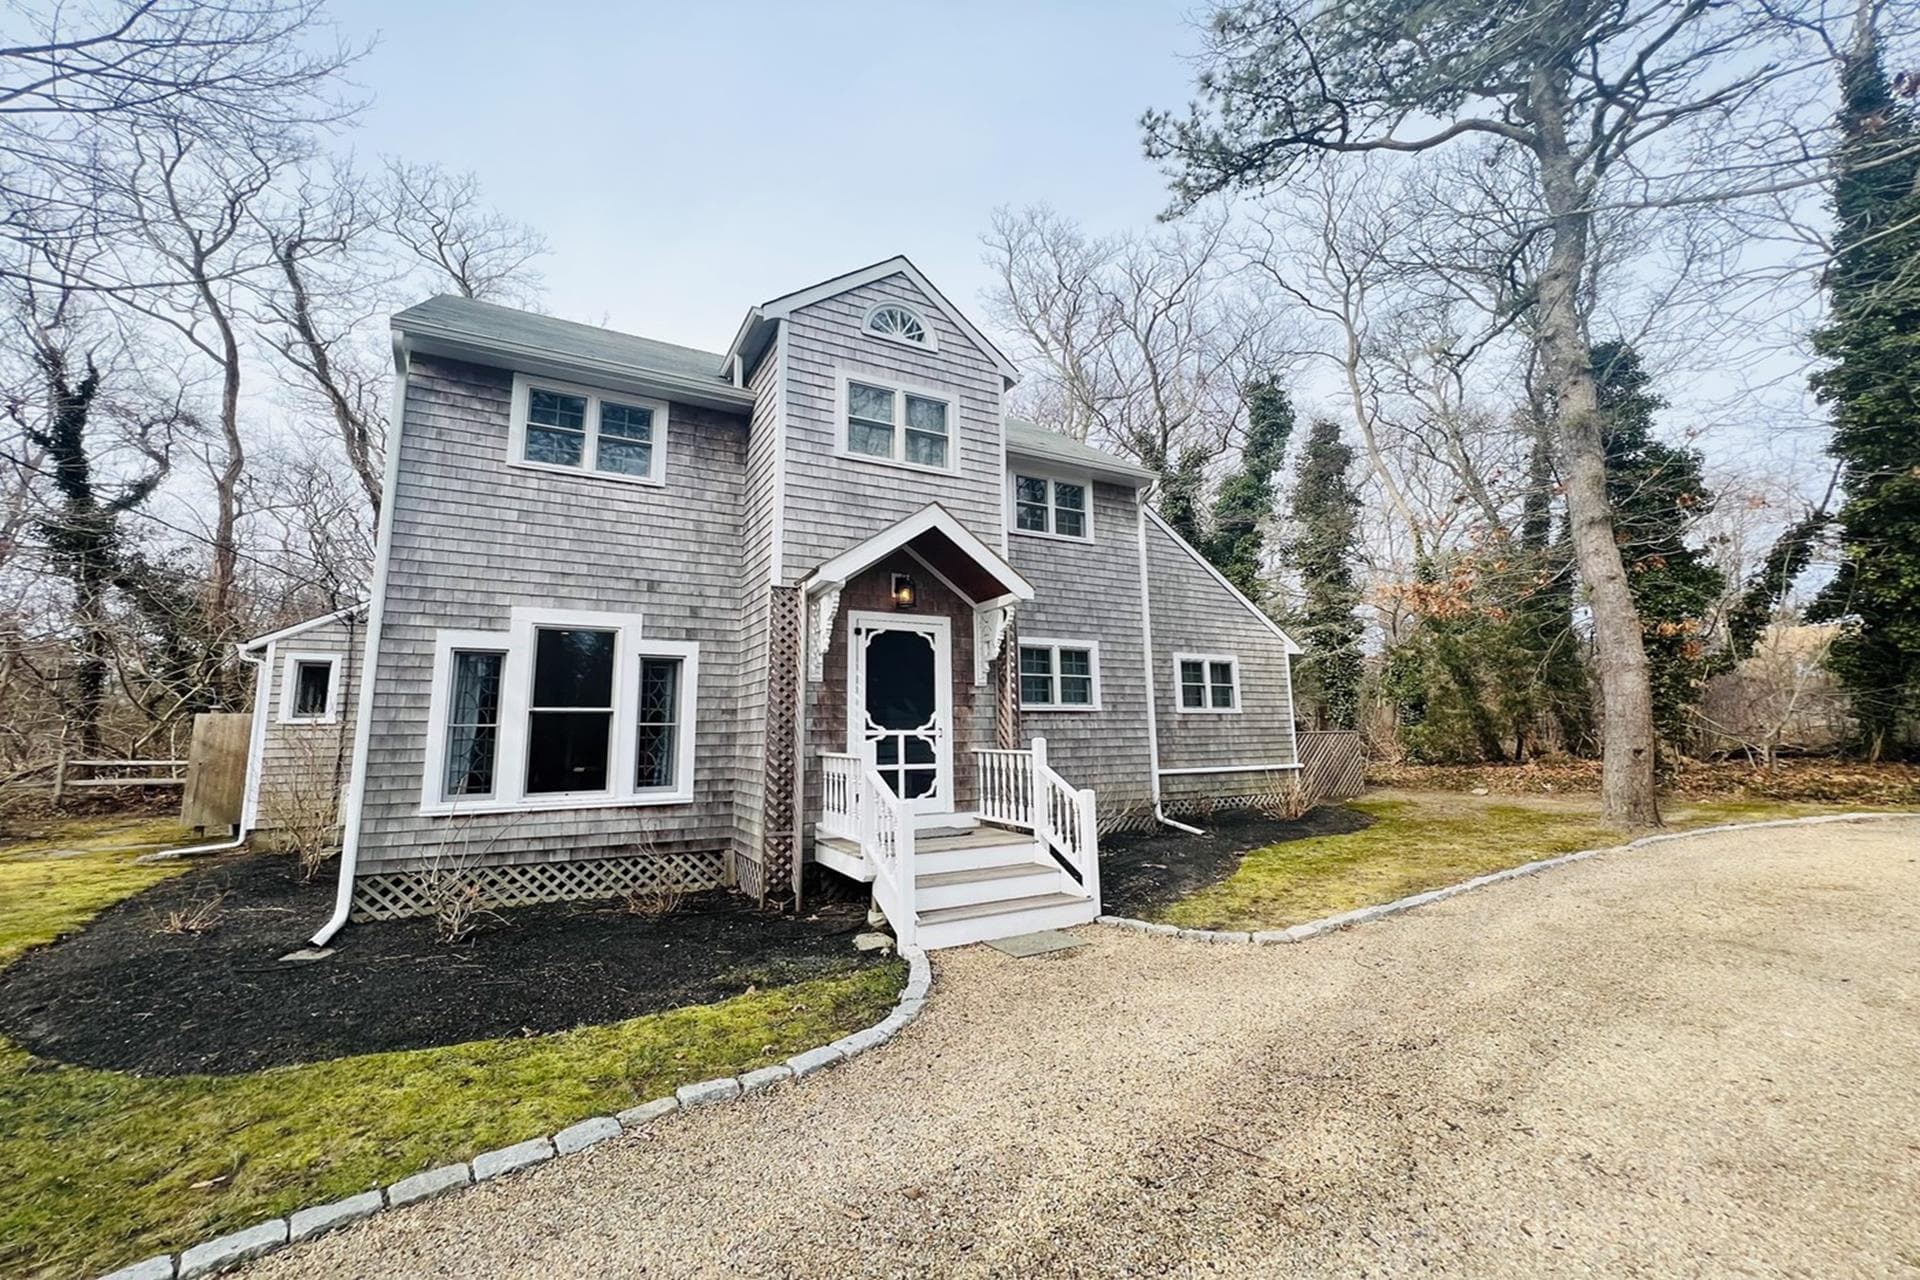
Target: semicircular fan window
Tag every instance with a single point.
(897, 323)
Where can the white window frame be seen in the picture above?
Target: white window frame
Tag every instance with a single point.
(516, 689)
(1233, 666)
(524, 385)
(1016, 474)
(1092, 649)
(901, 390)
(866, 327)
(288, 667)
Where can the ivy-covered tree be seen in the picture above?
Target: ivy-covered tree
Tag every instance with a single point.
(1658, 493)
(1243, 506)
(1326, 506)
(1873, 389)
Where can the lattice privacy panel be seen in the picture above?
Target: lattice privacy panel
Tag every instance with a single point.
(750, 877)
(391, 895)
(1006, 692)
(781, 822)
(1333, 764)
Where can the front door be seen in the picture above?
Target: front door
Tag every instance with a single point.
(900, 704)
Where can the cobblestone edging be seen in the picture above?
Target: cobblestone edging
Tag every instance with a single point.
(230, 1250)
(1332, 924)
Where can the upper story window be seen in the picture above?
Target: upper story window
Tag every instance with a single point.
(897, 323)
(1207, 681)
(1059, 675)
(895, 423)
(1042, 504)
(559, 427)
(308, 688)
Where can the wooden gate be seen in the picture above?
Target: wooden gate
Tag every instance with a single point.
(216, 771)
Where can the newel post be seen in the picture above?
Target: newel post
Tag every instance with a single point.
(1042, 803)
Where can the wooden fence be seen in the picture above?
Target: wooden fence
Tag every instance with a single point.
(216, 771)
(1333, 764)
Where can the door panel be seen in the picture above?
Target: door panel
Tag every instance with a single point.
(900, 713)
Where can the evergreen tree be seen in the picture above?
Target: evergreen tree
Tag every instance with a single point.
(1873, 390)
(1657, 493)
(1177, 496)
(1236, 540)
(1327, 507)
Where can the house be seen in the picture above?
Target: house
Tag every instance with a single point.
(300, 740)
(646, 616)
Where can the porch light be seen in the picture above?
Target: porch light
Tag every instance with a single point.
(902, 591)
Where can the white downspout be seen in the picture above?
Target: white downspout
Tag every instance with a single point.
(376, 613)
(256, 735)
(1146, 649)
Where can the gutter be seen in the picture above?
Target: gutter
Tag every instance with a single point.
(1146, 650)
(376, 613)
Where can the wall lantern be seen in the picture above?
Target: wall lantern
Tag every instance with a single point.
(902, 591)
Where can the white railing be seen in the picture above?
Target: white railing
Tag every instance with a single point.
(1005, 786)
(1019, 789)
(886, 838)
(840, 785)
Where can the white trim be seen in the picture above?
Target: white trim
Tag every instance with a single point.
(301, 628)
(930, 518)
(845, 374)
(1052, 478)
(590, 429)
(369, 661)
(779, 557)
(1146, 656)
(941, 630)
(288, 666)
(1218, 577)
(256, 737)
(1090, 647)
(938, 576)
(1231, 768)
(516, 680)
(1208, 660)
(787, 304)
(929, 342)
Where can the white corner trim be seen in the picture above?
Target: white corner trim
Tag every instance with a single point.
(1208, 659)
(1220, 578)
(290, 663)
(1055, 645)
(588, 469)
(256, 736)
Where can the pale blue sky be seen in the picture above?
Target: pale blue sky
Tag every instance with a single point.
(689, 160)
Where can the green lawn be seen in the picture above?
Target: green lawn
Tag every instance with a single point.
(1420, 841)
(104, 1168)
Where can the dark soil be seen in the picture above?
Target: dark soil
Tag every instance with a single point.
(125, 994)
(1143, 874)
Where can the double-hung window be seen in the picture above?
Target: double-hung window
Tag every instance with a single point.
(1207, 681)
(562, 710)
(559, 427)
(1059, 675)
(1042, 504)
(896, 424)
(308, 688)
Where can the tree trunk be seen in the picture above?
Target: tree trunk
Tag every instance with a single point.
(1628, 756)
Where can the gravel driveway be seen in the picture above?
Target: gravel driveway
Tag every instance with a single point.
(1701, 1058)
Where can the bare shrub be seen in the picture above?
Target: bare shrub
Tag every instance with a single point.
(451, 884)
(199, 918)
(654, 904)
(1286, 799)
(300, 811)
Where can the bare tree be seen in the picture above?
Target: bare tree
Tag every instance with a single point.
(443, 221)
(1617, 106)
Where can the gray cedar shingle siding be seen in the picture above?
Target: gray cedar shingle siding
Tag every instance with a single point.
(756, 575)
(303, 762)
(833, 502)
(473, 537)
(1194, 613)
(1091, 591)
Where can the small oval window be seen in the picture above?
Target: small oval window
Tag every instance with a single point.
(897, 323)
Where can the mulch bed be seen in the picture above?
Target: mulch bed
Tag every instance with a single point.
(124, 994)
(1142, 874)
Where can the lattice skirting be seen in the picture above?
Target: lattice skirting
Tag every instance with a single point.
(391, 895)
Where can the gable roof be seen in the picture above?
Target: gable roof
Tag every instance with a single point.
(1031, 440)
(752, 336)
(943, 544)
(1159, 522)
(300, 628)
(465, 328)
